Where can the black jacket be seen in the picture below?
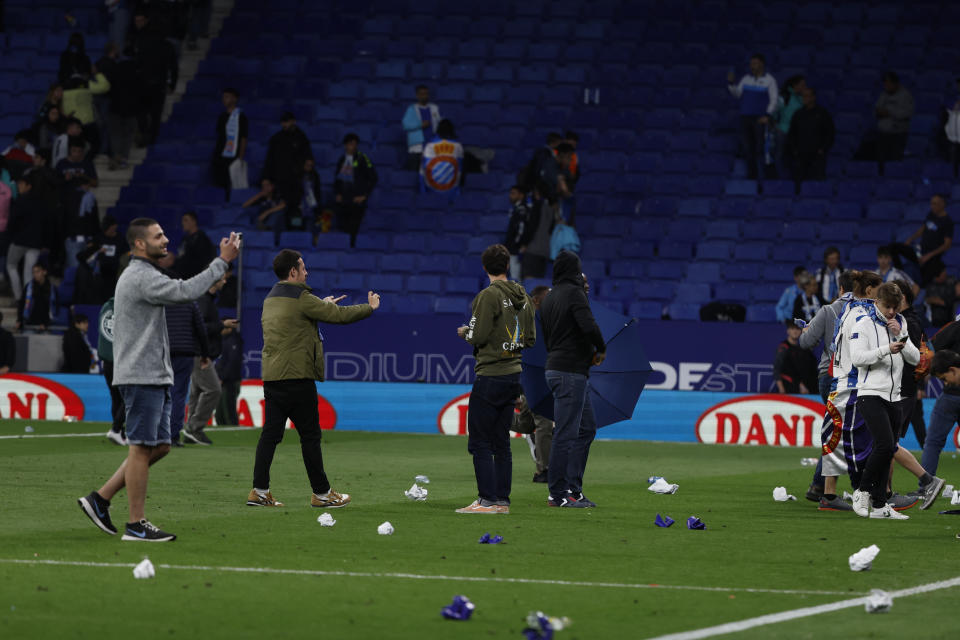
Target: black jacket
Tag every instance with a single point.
(811, 131)
(77, 356)
(570, 333)
(230, 364)
(519, 230)
(8, 349)
(28, 221)
(207, 303)
(908, 385)
(364, 177)
(195, 254)
(185, 330)
(285, 156)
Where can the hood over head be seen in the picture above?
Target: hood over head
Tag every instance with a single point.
(567, 268)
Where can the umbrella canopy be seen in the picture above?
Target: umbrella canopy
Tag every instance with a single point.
(614, 386)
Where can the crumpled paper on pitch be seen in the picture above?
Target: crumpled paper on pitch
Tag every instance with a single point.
(879, 601)
(326, 520)
(416, 492)
(144, 570)
(385, 529)
(862, 560)
(955, 498)
(662, 486)
(780, 495)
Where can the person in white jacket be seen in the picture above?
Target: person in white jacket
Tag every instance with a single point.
(879, 344)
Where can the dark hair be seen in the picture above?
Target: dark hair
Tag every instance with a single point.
(846, 281)
(798, 270)
(890, 294)
(110, 47)
(554, 139)
(942, 360)
(76, 40)
(107, 222)
(76, 141)
(906, 290)
(80, 317)
(351, 137)
(190, 214)
(759, 56)
(570, 135)
(884, 251)
(812, 90)
(789, 83)
(565, 148)
(891, 76)
(445, 129)
(941, 196)
(538, 293)
(421, 86)
(862, 280)
(231, 91)
(26, 134)
(71, 120)
(830, 251)
(138, 229)
(518, 188)
(284, 261)
(287, 116)
(495, 259)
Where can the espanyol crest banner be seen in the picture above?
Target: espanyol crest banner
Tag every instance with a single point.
(441, 166)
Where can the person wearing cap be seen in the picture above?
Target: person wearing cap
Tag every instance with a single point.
(286, 153)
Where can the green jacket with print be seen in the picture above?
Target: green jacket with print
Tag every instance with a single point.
(501, 327)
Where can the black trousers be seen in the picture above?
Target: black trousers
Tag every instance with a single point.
(489, 417)
(881, 418)
(297, 400)
(919, 425)
(227, 409)
(117, 409)
(349, 216)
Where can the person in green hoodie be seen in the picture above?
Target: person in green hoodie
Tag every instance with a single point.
(502, 325)
(292, 360)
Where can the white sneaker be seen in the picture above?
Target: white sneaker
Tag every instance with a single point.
(116, 438)
(887, 513)
(861, 503)
(532, 445)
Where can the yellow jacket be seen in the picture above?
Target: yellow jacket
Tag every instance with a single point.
(78, 103)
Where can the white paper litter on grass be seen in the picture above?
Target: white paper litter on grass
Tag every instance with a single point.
(144, 570)
(879, 601)
(862, 560)
(422, 479)
(955, 498)
(947, 491)
(662, 486)
(326, 520)
(780, 494)
(416, 492)
(386, 529)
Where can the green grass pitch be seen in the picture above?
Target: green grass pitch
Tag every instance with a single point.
(751, 542)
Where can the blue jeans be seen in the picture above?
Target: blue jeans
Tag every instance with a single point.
(182, 370)
(575, 430)
(148, 413)
(489, 417)
(946, 411)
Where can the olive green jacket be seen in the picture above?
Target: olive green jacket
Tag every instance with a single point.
(501, 327)
(292, 346)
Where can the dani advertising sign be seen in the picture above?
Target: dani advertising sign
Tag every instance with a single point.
(767, 420)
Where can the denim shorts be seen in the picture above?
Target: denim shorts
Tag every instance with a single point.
(148, 413)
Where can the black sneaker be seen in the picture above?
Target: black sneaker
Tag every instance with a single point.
(144, 531)
(931, 492)
(814, 493)
(98, 510)
(176, 442)
(587, 501)
(540, 477)
(568, 502)
(200, 437)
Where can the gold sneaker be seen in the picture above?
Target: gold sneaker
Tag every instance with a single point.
(256, 500)
(476, 507)
(332, 500)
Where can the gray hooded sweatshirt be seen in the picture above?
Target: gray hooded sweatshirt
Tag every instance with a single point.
(141, 349)
(821, 328)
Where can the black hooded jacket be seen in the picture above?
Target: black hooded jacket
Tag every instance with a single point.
(571, 335)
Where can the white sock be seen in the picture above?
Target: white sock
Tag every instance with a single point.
(322, 496)
(262, 492)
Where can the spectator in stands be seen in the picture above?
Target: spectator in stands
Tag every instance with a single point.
(271, 211)
(38, 303)
(54, 98)
(8, 349)
(828, 284)
(231, 144)
(204, 383)
(795, 368)
(572, 169)
(757, 92)
(808, 302)
(79, 177)
(118, 14)
(77, 164)
(441, 170)
(61, 145)
(941, 298)
(519, 230)
(27, 228)
(74, 61)
(77, 353)
(889, 273)
(22, 150)
(936, 238)
(528, 177)
(286, 153)
(886, 141)
(156, 62)
(106, 65)
(312, 196)
(537, 254)
(196, 250)
(78, 94)
(789, 296)
(45, 131)
(951, 127)
(354, 180)
(419, 117)
(6, 197)
(552, 180)
(789, 102)
(230, 371)
(198, 25)
(810, 139)
(123, 109)
(99, 264)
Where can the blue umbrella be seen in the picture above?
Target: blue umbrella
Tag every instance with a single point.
(614, 386)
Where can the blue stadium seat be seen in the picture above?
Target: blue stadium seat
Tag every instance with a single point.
(702, 272)
(646, 310)
(436, 263)
(685, 310)
(425, 283)
(752, 251)
(766, 292)
(695, 207)
(722, 229)
(452, 305)
(715, 250)
(693, 292)
(742, 272)
(667, 269)
(863, 257)
(678, 250)
(398, 262)
(654, 290)
(410, 242)
(741, 188)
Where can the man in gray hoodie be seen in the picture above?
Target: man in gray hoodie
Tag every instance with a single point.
(142, 369)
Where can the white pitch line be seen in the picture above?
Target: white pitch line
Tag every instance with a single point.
(417, 576)
(783, 616)
(102, 434)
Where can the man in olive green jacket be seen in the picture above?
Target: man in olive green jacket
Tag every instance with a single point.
(292, 362)
(501, 327)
